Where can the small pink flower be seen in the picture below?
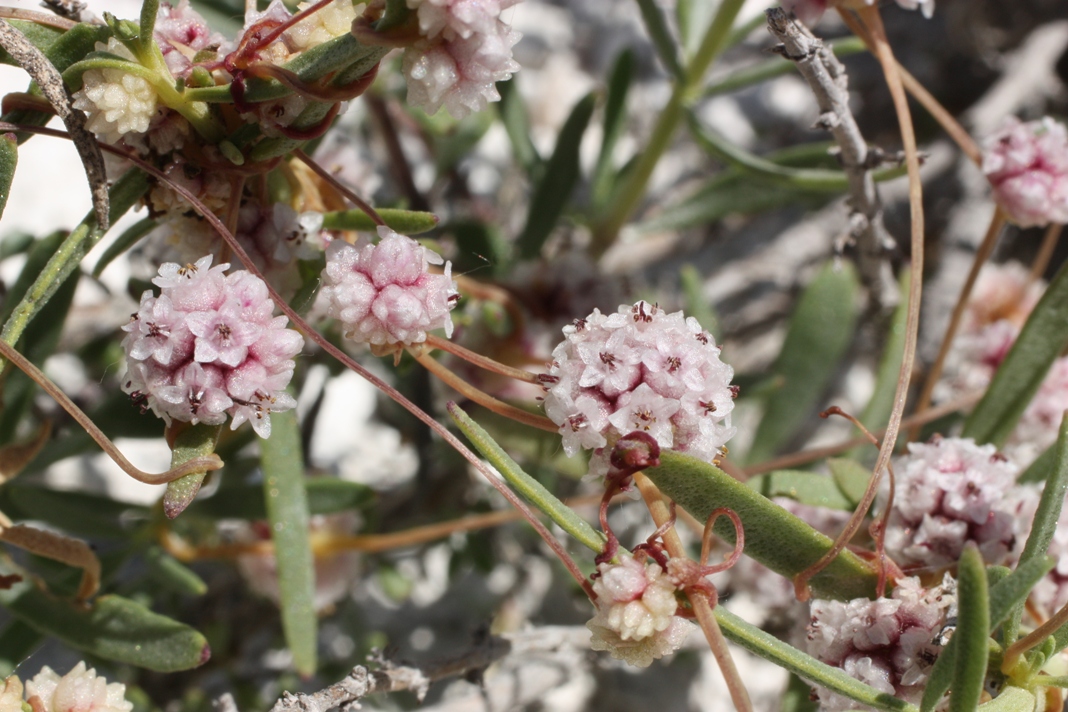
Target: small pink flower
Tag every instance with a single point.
(385, 294)
(180, 33)
(209, 346)
(1027, 165)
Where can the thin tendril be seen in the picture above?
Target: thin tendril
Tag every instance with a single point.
(477, 359)
(340, 187)
(1045, 253)
(706, 541)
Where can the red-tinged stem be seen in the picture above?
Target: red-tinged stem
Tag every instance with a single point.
(706, 541)
(1045, 253)
(40, 18)
(340, 187)
(698, 600)
(881, 48)
(483, 362)
(200, 464)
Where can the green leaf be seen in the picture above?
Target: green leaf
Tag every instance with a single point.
(696, 304)
(40, 36)
(851, 477)
(531, 489)
(1042, 339)
(771, 68)
(804, 487)
(666, 46)
(798, 697)
(192, 442)
(149, 10)
(114, 628)
(76, 513)
(793, 660)
(9, 157)
(406, 222)
(773, 536)
(1044, 524)
(615, 117)
(1011, 699)
(1004, 595)
(287, 511)
(877, 412)
(1040, 469)
(513, 113)
(129, 237)
(326, 495)
(172, 574)
(18, 640)
(561, 173)
(819, 334)
(972, 633)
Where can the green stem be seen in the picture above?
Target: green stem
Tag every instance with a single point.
(123, 194)
(622, 204)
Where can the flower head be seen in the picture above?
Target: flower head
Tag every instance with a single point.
(209, 346)
(116, 102)
(639, 369)
(888, 643)
(952, 491)
(331, 21)
(80, 690)
(385, 294)
(1027, 165)
(466, 50)
(181, 32)
(635, 619)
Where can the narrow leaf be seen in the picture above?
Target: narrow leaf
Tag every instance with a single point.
(1011, 699)
(773, 536)
(1047, 515)
(40, 36)
(666, 46)
(113, 628)
(78, 513)
(877, 412)
(9, 156)
(851, 478)
(615, 116)
(1042, 339)
(513, 113)
(129, 237)
(173, 574)
(805, 487)
(553, 190)
(287, 511)
(793, 660)
(819, 334)
(1040, 469)
(326, 495)
(531, 489)
(192, 442)
(406, 222)
(972, 633)
(1004, 595)
(149, 11)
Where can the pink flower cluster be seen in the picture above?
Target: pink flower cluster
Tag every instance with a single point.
(888, 643)
(952, 491)
(639, 369)
(180, 33)
(466, 49)
(635, 620)
(385, 294)
(1027, 165)
(209, 346)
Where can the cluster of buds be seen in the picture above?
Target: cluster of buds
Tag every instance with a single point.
(1027, 165)
(636, 617)
(80, 690)
(465, 48)
(640, 369)
(952, 491)
(209, 346)
(384, 294)
(889, 643)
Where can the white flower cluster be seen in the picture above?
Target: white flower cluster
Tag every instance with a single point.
(639, 369)
(888, 643)
(636, 605)
(466, 49)
(332, 21)
(116, 102)
(952, 491)
(80, 690)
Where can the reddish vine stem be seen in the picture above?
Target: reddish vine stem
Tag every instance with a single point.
(870, 17)
(340, 187)
(1045, 252)
(477, 359)
(39, 18)
(200, 464)
(217, 225)
(986, 248)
